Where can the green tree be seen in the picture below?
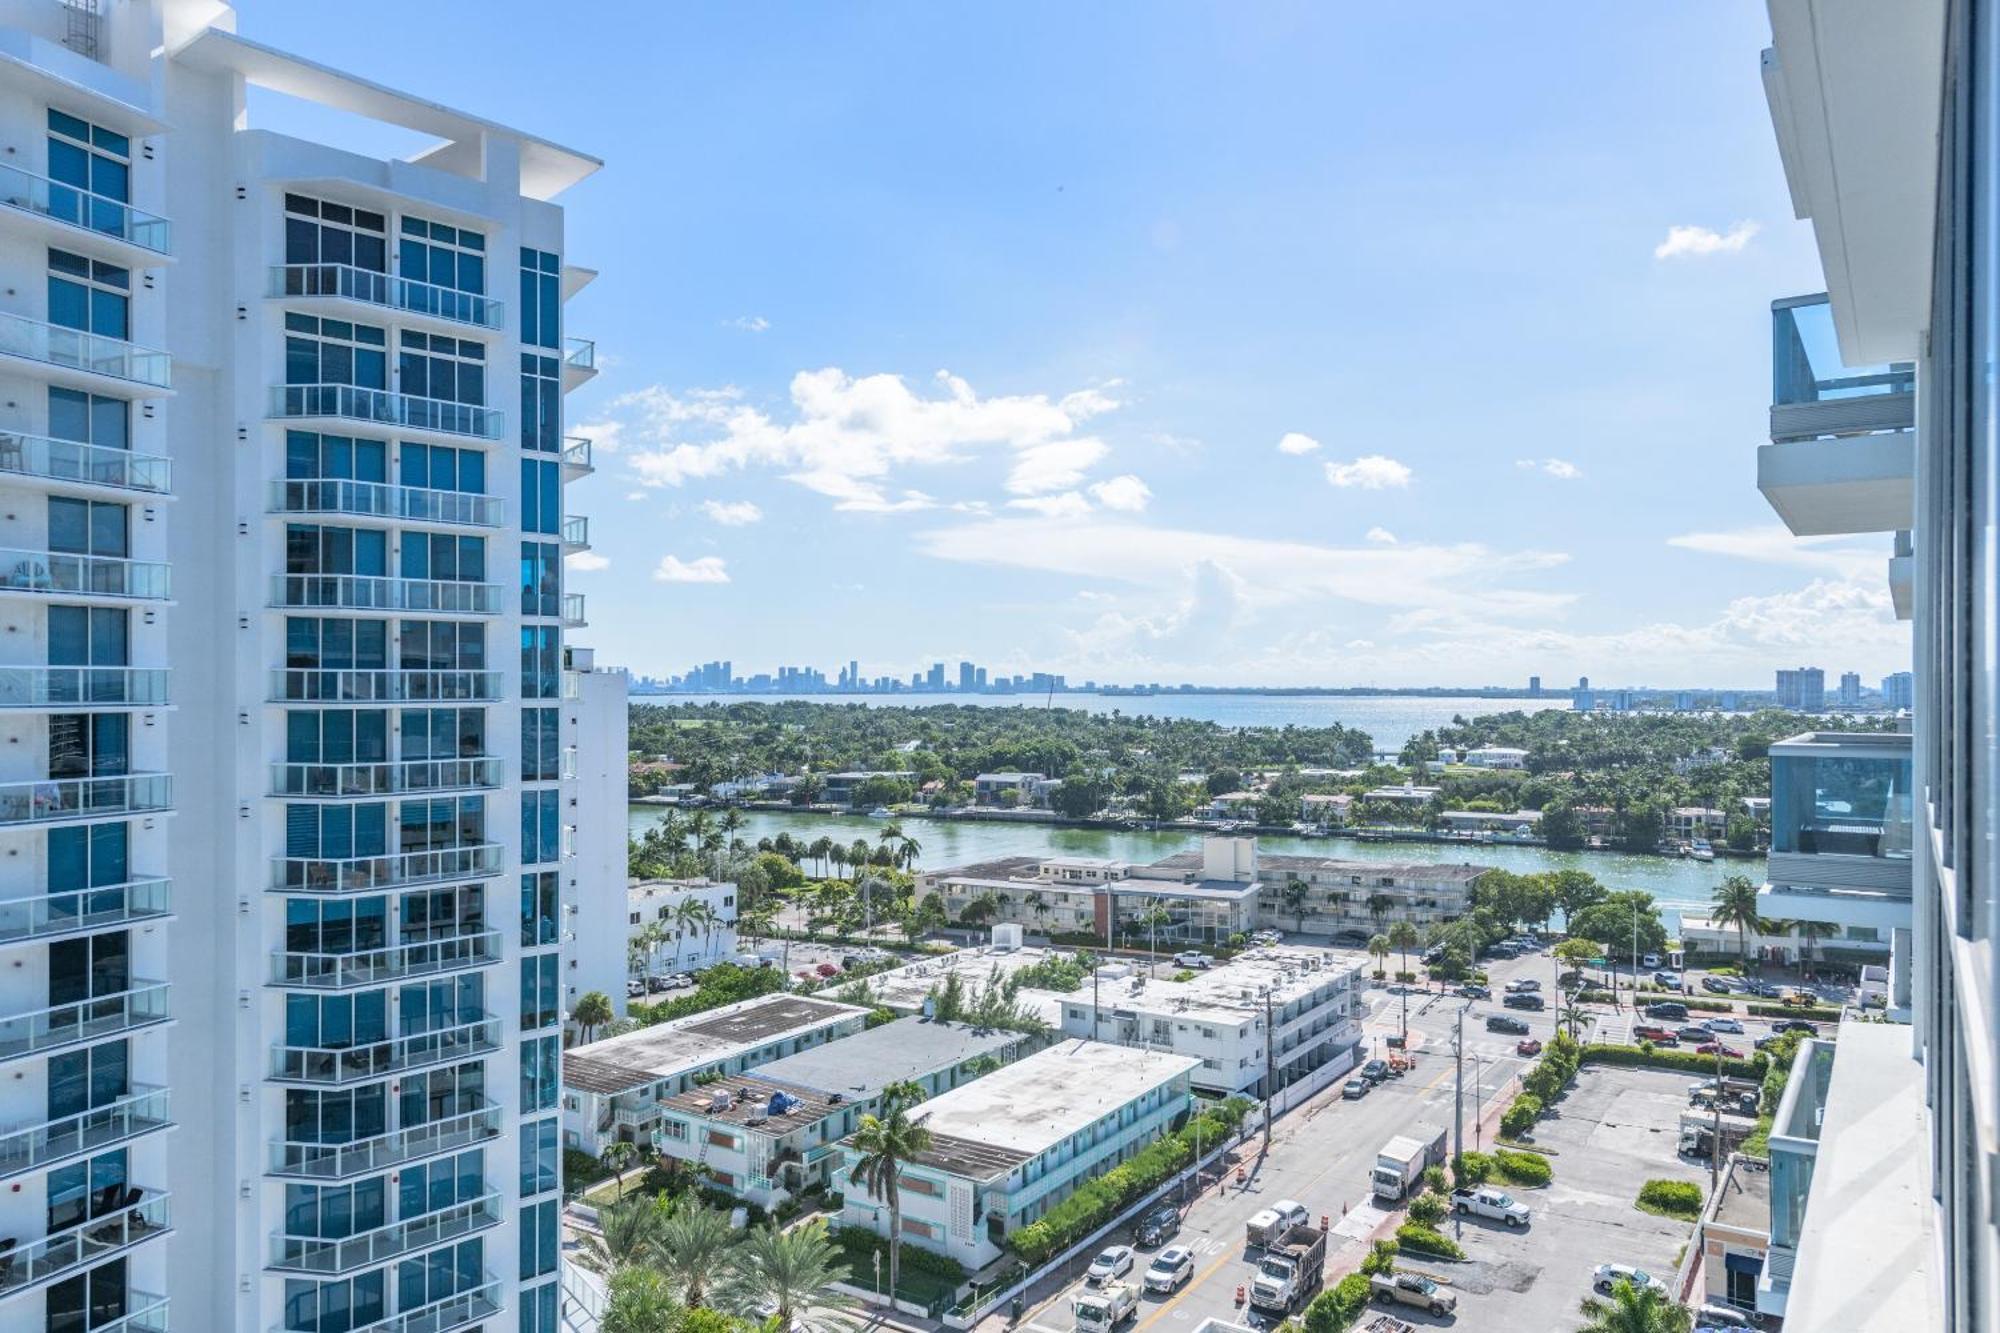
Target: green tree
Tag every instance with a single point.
(1403, 937)
(628, 1234)
(617, 1157)
(1631, 1309)
(1575, 890)
(1562, 827)
(593, 1011)
(1379, 949)
(641, 1300)
(694, 1250)
(1735, 907)
(1622, 916)
(791, 1270)
(884, 1142)
(1295, 900)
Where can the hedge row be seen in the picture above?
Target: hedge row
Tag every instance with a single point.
(1414, 1239)
(1693, 1002)
(859, 1243)
(1335, 1309)
(1523, 1168)
(1599, 1053)
(1814, 1013)
(1671, 1198)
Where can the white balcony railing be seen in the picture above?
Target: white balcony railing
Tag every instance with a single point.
(572, 610)
(84, 210)
(87, 1243)
(384, 289)
(82, 687)
(74, 911)
(334, 1161)
(60, 574)
(332, 971)
(86, 1020)
(141, 1111)
(54, 800)
(580, 354)
(576, 454)
(408, 504)
(364, 592)
(299, 874)
(410, 775)
(576, 533)
(73, 349)
(88, 464)
(343, 1064)
(316, 685)
(383, 408)
(440, 1316)
(300, 1254)
(143, 1314)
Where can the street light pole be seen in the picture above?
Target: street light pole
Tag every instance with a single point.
(1458, 1087)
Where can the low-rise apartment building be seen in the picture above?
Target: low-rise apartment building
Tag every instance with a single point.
(613, 1089)
(1687, 822)
(1006, 788)
(1008, 1147)
(678, 924)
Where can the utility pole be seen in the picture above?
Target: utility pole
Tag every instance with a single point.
(1458, 1086)
(1478, 1102)
(1715, 1137)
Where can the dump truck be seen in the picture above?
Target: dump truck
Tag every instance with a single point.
(1404, 1159)
(1106, 1308)
(1698, 1131)
(1289, 1272)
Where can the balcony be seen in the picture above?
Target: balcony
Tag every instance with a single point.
(575, 534)
(52, 916)
(61, 574)
(336, 1161)
(364, 592)
(85, 359)
(55, 1257)
(401, 504)
(80, 211)
(349, 402)
(360, 874)
(347, 1064)
(576, 458)
(335, 971)
(1842, 451)
(295, 1254)
(144, 1314)
(95, 1019)
(342, 282)
(572, 610)
(69, 687)
(338, 781)
(579, 362)
(73, 465)
(323, 686)
(72, 800)
(36, 1147)
(442, 1316)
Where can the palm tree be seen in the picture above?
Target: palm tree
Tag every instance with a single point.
(1571, 1015)
(1378, 907)
(1633, 1309)
(1378, 949)
(820, 847)
(616, 1157)
(836, 854)
(593, 1011)
(694, 1250)
(732, 820)
(687, 920)
(1403, 937)
(793, 1271)
(907, 851)
(885, 1142)
(628, 1235)
(1735, 906)
(1295, 899)
(641, 1301)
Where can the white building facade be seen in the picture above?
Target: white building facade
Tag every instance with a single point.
(693, 923)
(596, 746)
(357, 369)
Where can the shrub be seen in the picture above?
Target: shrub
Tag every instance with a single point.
(1671, 1198)
(859, 1246)
(1473, 1168)
(1593, 996)
(1521, 1116)
(1816, 1014)
(1683, 1061)
(1545, 1080)
(1416, 1239)
(1523, 1168)
(1436, 1181)
(1381, 1258)
(1427, 1210)
(1335, 1309)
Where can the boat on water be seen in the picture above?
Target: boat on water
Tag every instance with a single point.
(879, 812)
(1700, 850)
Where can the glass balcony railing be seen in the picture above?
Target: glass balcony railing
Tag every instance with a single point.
(354, 874)
(576, 454)
(141, 1111)
(73, 349)
(298, 1254)
(53, 800)
(440, 1316)
(572, 610)
(576, 533)
(379, 406)
(344, 1064)
(383, 289)
(82, 687)
(143, 1314)
(313, 685)
(60, 574)
(363, 592)
(580, 354)
(77, 911)
(567, 770)
(1814, 395)
(86, 1020)
(81, 1246)
(95, 465)
(408, 504)
(336, 971)
(572, 684)
(84, 210)
(335, 1161)
(409, 775)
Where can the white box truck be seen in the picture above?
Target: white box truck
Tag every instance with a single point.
(1404, 1159)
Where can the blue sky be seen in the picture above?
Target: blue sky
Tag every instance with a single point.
(943, 331)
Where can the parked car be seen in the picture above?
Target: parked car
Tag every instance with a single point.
(1650, 960)
(827, 970)
(1722, 1025)
(1694, 1032)
(1170, 1269)
(1764, 990)
(1608, 1276)
(1472, 990)
(1355, 1089)
(657, 983)
(1501, 951)
(1200, 962)
(1268, 937)
(1527, 1046)
(1656, 1034)
(1718, 985)
(1785, 1025)
(1526, 1000)
(1412, 1289)
(1717, 1048)
(634, 988)
(680, 979)
(1161, 1224)
(1374, 1071)
(1506, 1023)
(1523, 986)
(1667, 980)
(1673, 1009)
(1114, 1262)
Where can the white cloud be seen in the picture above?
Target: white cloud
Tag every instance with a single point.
(1560, 468)
(1698, 242)
(702, 569)
(586, 562)
(1382, 536)
(1294, 443)
(1126, 494)
(846, 438)
(749, 323)
(732, 513)
(1773, 544)
(1067, 504)
(1370, 472)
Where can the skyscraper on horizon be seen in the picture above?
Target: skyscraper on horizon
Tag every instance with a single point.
(1802, 689)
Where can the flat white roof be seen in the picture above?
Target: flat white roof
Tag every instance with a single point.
(662, 1050)
(1219, 994)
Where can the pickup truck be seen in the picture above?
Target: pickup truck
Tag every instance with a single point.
(1412, 1289)
(1104, 1309)
(1267, 1226)
(1496, 1204)
(1289, 1273)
